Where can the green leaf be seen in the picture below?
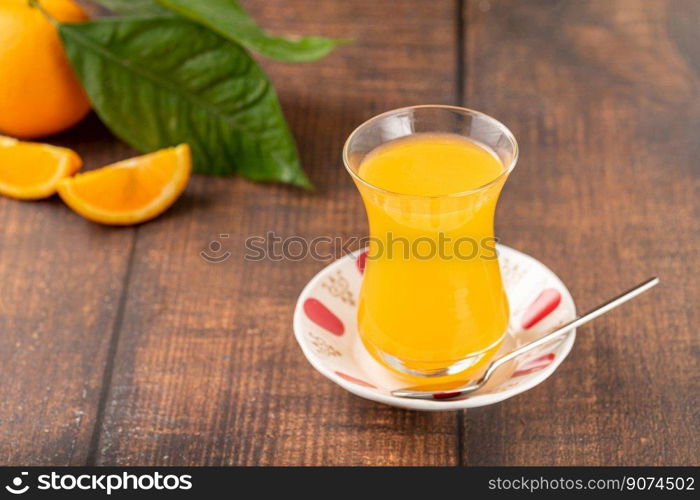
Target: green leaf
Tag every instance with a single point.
(228, 18)
(158, 82)
(133, 7)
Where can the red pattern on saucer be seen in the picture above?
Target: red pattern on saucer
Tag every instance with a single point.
(355, 380)
(534, 365)
(361, 262)
(546, 302)
(323, 317)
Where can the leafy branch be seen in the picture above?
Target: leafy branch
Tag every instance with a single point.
(164, 72)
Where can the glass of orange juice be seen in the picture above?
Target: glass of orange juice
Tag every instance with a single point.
(432, 301)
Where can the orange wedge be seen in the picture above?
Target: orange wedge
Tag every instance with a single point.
(30, 171)
(130, 191)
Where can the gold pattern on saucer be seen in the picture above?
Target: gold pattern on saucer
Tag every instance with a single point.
(512, 272)
(322, 347)
(338, 286)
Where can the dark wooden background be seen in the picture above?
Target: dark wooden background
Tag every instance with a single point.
(123, 346)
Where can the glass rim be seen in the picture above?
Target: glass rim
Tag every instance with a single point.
(447, 107)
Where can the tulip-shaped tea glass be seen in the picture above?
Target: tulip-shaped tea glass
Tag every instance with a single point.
(432, 301)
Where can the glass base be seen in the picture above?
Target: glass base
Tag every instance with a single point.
(436, 368)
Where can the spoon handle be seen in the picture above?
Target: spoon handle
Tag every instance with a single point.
(581, 320)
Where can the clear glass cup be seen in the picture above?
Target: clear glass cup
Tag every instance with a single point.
(439, 308)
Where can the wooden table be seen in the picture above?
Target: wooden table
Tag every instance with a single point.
(124, 347)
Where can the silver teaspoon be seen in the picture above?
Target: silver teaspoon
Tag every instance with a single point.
(417, 393)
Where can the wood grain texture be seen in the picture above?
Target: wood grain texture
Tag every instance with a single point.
(605, 100)
(125, 347)
(207, 370)
(61, 284)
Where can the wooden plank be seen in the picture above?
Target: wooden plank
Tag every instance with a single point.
(603, 97)
(62, 280)
(207, 370)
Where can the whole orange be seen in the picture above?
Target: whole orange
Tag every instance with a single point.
(39, 92)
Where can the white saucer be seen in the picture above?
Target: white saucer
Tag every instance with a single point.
(325, 326)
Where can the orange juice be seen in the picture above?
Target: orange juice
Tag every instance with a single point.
(432, 295)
